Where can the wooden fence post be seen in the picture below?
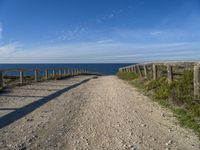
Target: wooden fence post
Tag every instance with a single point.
(72, 72)
(65, 72)
(140, 73)
(155, 72)
(1, 79)
(132, 69)
(36, 75)
(60, 72)
(169, 73)
(135, 70)
(145, 71)
(69, 71)
(46, 74)
(53, 72)
(196, 81)
(21, 76)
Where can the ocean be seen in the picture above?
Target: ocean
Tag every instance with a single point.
(105, 69)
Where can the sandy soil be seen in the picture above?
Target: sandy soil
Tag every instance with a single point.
(87, 113)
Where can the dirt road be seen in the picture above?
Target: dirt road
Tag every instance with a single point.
(88, 113)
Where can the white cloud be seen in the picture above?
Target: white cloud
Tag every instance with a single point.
(8, 51)
(1, 31)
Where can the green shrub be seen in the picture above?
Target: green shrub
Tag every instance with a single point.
(178, 91)
(153, 84)
(161, 88)
(196, 110)
(182, 89)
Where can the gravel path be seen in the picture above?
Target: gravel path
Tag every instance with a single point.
(87, 113)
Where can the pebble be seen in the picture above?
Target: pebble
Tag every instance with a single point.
(143, 125)
(29, 119)
(149, 136)
(168, 143)
(169, 130)
(163, 115)
(154, 139)
(132, 147)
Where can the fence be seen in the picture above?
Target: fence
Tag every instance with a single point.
(40, 74)
(170, 69)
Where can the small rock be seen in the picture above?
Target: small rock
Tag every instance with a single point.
(169, 130)
(149, 136)
(168, 143)
(30, 119)
(143, 125)
(132, 147)
(154, 139)
(9, 145)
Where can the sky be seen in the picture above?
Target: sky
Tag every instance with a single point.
(99, 31)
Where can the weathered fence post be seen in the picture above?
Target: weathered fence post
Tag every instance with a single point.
(155, 72)
(196, 81)
(65, 72)
(69, 72)
(169, 73)
(72, 72)
(132, 69)
(36, 75)
(145, 71)
(21, 73)
(53, 73)
(135, 69)
(78, 72)
(46, 74)
(60, 72)
(140, 73)
(1, 79)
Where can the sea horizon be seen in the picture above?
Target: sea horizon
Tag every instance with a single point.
(103, 68)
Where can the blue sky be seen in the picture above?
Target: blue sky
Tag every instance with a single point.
(93, 31)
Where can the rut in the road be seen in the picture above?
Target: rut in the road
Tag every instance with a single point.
(104, 113)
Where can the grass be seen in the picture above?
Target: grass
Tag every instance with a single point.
(176, 96)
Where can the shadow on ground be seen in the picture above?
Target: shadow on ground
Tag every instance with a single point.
(23, 111)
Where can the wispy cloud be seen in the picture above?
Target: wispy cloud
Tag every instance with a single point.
(111, 15)
(66, 35)
(1, 31)
(8, 52)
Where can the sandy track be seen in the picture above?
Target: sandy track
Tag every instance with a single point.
(102, 113)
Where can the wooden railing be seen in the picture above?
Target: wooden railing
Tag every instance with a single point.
(150, 70)
(41, 74)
